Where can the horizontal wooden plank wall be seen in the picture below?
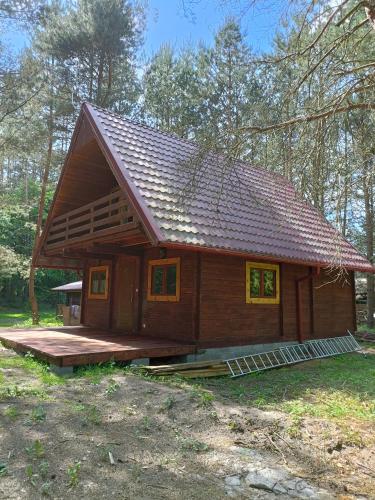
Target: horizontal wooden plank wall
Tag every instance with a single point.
(97, 311)
(333, 305)
(172, 320)
(225, 317)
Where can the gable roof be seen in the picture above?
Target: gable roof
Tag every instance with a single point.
(214, 205)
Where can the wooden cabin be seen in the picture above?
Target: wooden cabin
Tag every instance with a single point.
(176, 244)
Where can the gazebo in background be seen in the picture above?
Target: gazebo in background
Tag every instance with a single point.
(69, 306)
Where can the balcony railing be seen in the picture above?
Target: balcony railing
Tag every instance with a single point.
(106, 215)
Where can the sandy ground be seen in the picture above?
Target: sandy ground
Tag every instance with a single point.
(167, 443)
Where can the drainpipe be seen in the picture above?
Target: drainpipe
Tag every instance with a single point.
(314, 271)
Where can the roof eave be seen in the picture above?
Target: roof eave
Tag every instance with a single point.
(266, 257)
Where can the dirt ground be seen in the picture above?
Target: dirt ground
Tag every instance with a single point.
(167, 442)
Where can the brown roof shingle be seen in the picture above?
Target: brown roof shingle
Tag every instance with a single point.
(216, 204)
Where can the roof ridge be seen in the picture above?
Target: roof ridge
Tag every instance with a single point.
(144, 125)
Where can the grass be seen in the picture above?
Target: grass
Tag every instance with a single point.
(336, 388)
(33, 366)
(16, 318)
(364, 328)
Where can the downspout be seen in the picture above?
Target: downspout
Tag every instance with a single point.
(314, 271)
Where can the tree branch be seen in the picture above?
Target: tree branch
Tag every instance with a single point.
(307, 118)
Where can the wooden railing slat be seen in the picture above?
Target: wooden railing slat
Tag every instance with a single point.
(103, 199)
(82, 222)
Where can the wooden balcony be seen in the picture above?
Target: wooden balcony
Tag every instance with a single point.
(105, 217)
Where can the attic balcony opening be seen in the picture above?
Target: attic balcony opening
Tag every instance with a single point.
(108, 215)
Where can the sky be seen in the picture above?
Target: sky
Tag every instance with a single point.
(168, 21)
(186, 22)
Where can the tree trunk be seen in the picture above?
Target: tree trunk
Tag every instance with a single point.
(32, 296)
(369, 228)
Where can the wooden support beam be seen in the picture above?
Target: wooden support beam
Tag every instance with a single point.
(60, 262)
(197, 296)
(115, 249)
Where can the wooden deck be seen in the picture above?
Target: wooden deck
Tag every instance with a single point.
(74, 346)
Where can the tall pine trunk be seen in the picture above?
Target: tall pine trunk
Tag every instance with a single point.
(369, 231)
(42, 200)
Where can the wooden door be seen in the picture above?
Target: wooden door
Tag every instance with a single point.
(125, 300)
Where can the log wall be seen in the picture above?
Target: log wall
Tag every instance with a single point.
(212, 310)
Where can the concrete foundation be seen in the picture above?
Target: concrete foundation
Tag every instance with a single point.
(140, 362)
(61, 370)
(234, 351)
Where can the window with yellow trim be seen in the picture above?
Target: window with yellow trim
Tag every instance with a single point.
(262, 283)
(98, 282)
(164, 280)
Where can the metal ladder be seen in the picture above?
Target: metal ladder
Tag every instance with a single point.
(291, 354)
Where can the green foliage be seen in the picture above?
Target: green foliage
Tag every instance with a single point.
(192, 444)
(38, 414)
(89, 413)
(112, 388)
(36, 449)
(11, 412)
(3, 469)
(73, 473)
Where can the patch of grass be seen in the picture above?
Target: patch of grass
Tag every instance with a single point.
(294, 430)
(36, 449)
(90, 414)
(14, 391)
(337, 388)
(16, 318)
(45, 489)
(168, 404)
(31, 476)
(3, 469)
(112, 387)
(205, 398)
(364, 328)
(33, 366)
(96, 373)
(38, 414)
(73, 473)
(11, 412)
(146, 423)
(192, 444)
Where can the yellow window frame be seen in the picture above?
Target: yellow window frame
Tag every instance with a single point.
(163, 262)
(266, 267)
(99, 296)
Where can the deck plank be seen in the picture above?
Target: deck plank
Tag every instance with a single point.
(74, 346)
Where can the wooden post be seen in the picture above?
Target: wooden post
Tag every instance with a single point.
(140, 292)
(312, 318)
(352, 283)
(281, 295)
(197, 297)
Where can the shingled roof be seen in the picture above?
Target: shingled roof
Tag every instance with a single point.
(216, 204)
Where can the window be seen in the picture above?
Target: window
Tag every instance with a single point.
(262, 283)
(164, 280)
(98, 282)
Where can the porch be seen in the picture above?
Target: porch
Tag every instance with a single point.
(75, 346)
